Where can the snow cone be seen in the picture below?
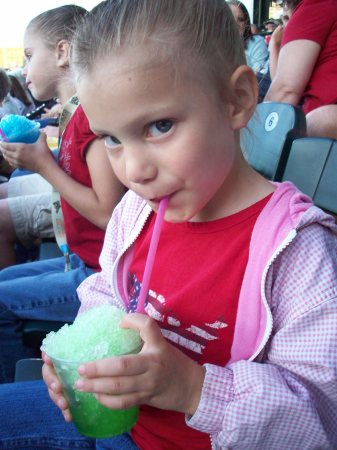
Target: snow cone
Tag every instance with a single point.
(14, 128)
(94, 335)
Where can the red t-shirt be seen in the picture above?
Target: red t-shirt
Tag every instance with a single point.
(316, 20)
(194, 291)
(84, 238)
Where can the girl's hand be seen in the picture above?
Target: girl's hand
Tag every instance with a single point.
(160, 375)
(276, 37)
(34, 157)
(54, 111)
(54, 387)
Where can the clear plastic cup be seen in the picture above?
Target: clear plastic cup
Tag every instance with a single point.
(91, 418)
(95, 334)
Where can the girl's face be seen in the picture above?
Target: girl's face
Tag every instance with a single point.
(239, 18)
(165, 135)
(41, 70)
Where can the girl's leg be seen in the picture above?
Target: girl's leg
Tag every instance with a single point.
(3, 190)
(7, 236)
(25, 215)
(31, 216)
(41, 291)
(123, 442)
(30, 421)
(28, 185)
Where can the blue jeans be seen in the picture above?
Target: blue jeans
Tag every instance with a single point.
(40, 290)
(30, 421)
(264, 82)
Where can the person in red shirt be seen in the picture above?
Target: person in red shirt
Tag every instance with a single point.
(276, 37)
(306, 72)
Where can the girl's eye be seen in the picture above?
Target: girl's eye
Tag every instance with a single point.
(159, 127)
(111, 142)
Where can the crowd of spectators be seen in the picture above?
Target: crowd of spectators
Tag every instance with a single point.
(256, 49)
(294, 58)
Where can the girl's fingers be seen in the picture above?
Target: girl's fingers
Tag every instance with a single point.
(46, 359)
(54, 387)
(50, 377)
(150, 333)
(61, 403)
(66, 415)
(114, 366)
(119, 401)
(147, 327)
(113, 385)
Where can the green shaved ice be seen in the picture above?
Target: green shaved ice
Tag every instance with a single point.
(95, 334)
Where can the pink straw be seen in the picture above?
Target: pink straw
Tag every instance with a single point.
(152, 253)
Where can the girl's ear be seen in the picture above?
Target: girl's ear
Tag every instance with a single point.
(63, 53)
(244, 94)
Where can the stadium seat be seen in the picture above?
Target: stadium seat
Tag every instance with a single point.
(48, 249)
(29, 369)
(34, 331)
(267, 139)
(312, 167)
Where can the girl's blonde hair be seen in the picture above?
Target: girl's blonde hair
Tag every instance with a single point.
(57, 24)
(179, 31)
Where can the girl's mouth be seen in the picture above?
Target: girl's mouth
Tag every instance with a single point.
(156, 201)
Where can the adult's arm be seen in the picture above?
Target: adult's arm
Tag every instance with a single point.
(274, 50)
(321, 122)
(294, 68)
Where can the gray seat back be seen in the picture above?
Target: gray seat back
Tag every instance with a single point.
(312, 167)
(267, 139)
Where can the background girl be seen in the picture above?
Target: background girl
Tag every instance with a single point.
(88, 187)
(25, 201)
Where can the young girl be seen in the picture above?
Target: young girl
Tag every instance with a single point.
(240, 325)
(25, 201)
(89, 191)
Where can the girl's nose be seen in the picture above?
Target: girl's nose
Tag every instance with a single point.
(24, 70)
(139, 166)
